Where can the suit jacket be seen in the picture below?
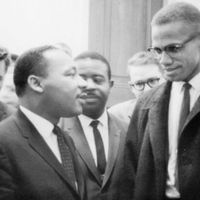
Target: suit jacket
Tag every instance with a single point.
(147, 148)
(109, 190)
(28, 168)
(123, 111)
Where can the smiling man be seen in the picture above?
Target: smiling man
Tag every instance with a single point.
(163, 139)
(98, 136)
(37, 161)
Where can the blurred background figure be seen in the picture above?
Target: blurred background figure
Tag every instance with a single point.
(144, 74)
(8, 98)
(4, 63)
(7, 92)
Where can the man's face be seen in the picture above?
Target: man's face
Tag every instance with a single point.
(95, 73)
(143, 74)
(181, 61)
(63, 86)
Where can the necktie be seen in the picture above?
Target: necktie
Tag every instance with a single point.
(101, 158)
(185, 107)
(66, 156)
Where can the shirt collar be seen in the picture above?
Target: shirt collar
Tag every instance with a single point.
(103, 119)
(194, 82)
(42, 125)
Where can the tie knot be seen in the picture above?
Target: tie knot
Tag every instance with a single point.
(186, 86)
(94, 123)
(56, 130)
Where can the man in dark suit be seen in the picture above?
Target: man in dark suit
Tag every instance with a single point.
(100, 158)
(32, 148)
(163, 139)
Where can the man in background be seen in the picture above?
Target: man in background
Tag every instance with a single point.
(98, 136)
(144, 74)
(4, 63)
(37, 161)
(7, 93)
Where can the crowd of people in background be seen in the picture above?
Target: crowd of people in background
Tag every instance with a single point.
(60, 141)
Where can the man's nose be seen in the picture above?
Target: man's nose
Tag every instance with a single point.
(81, 82)
(90, 84)
(146, 87)
(165, 59)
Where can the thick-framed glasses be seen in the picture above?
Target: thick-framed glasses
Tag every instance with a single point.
(140, 85)
(171, 49)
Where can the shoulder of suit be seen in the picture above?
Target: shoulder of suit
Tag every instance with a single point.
(118, 123)
(151, 95)
(122, 105)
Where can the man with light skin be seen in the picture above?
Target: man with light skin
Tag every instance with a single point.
(162, 149)
(144, 73)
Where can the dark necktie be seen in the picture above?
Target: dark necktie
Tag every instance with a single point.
(185, 107)
(65, 154)
(101, 158)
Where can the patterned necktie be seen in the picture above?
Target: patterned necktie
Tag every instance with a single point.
(101, 158)
(185, 107)
(66, 156)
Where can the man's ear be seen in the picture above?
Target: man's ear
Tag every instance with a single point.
(34, 83)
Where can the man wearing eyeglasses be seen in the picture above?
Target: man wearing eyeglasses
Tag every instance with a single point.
(144, 75)
(163, 139)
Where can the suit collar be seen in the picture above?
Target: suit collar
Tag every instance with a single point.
(158, 122)
(38, 144)
(76, 132)
(157, 95)
(114, 144)
(158, 130)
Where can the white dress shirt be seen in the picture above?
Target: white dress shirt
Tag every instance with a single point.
(175, 103)
(45, 128)
(88, 131)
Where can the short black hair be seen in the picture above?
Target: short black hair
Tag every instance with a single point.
(177, 12)
(32, 62)
(95, 56)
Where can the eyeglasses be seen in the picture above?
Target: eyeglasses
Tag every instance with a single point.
(140, 85)
(171, 49)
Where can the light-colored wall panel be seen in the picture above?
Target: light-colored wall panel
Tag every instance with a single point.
(118, 29)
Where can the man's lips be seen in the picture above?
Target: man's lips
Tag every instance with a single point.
(170, 69)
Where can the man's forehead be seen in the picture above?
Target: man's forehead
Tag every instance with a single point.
(144, 71)
(172, 31)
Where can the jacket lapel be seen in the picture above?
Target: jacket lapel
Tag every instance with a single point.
(77, 133)
(114, 142)
(195, 110)
(158, 131)
(36, 141)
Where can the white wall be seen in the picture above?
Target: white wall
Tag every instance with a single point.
(29, 23)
